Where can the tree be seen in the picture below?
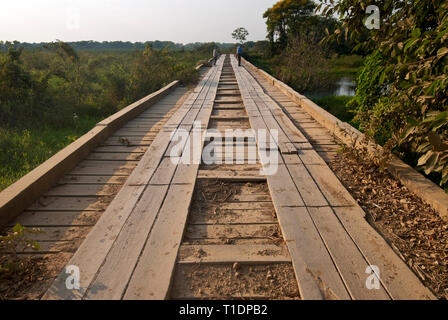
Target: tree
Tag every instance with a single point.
(286, 18)
(402, 96)
(240, 35)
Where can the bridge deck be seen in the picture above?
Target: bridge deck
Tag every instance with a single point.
(187, 231)
(70, 209)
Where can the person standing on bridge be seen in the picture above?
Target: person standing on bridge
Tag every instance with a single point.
(239, 53)
(215, 55)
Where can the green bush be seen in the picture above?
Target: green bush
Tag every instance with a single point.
(14, 242)
(338, 106)
(49, 97)
(402, 94)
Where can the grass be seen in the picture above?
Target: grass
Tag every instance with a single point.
(26, 149)
(341, 66)
(347, 65)
(46, 90)
(260, 60)
(337, 66)
(337, 106)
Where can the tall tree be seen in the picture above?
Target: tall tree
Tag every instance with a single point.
(287, 17)
(240, 35)
(402, 94)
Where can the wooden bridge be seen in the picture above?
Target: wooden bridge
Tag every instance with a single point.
(138, 225)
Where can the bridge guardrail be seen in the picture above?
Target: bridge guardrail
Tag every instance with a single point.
(24, 192)
(418, 184)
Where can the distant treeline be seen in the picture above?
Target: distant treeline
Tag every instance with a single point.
(113, 45)
(52, 95)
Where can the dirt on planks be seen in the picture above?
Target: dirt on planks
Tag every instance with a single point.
(413, 229)
(36, 273)
(35, 276)
(236, 282)
(208, 201)
(233, 281)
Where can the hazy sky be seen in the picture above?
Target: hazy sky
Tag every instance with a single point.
(131, 20)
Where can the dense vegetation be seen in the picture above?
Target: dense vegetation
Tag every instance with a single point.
(294, 52)
(114, 45)
(50, 96)
(401, 96)
(401, 69)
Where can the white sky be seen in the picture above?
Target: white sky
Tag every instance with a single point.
(131, 20)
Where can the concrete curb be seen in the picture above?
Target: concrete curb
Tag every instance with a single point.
(425, 189)
(23, 193)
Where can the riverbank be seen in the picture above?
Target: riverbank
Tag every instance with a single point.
(337, 78)
(56, 96)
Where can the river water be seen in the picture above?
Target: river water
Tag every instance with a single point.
(345, 86)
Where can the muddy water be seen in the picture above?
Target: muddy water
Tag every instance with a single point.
(345, 86)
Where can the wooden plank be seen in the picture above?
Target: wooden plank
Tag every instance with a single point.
(185, 173)
(291, 159)
(236, 106)
(310, 157)
(160, 144)
(250, 198)
(261, 216)
(127, 142)
(86, 180)
(283, 190)
(121, 149)
(404, 284)
(187, 169)
(105, 170)
(277, 120)
(68, 204)
(94, 249)
(246, 231)
(151, 279)
(57, 233)
(229, 118)
(115, 156)
(233, 167)
(165, 171)
(331, 187)
(78, 191)
(133, 134)
(153, 273)
(316, 274)
(248, 176)
(224, 254)
(50, 248)
(117, 269)
(400, 282)
(327, 147)
(303, 146)
(130, 112)
(114, 164)
(246, 206)
(151, 160)
(348, 259)
(136, 132)
(309, 191)
(57, 218)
